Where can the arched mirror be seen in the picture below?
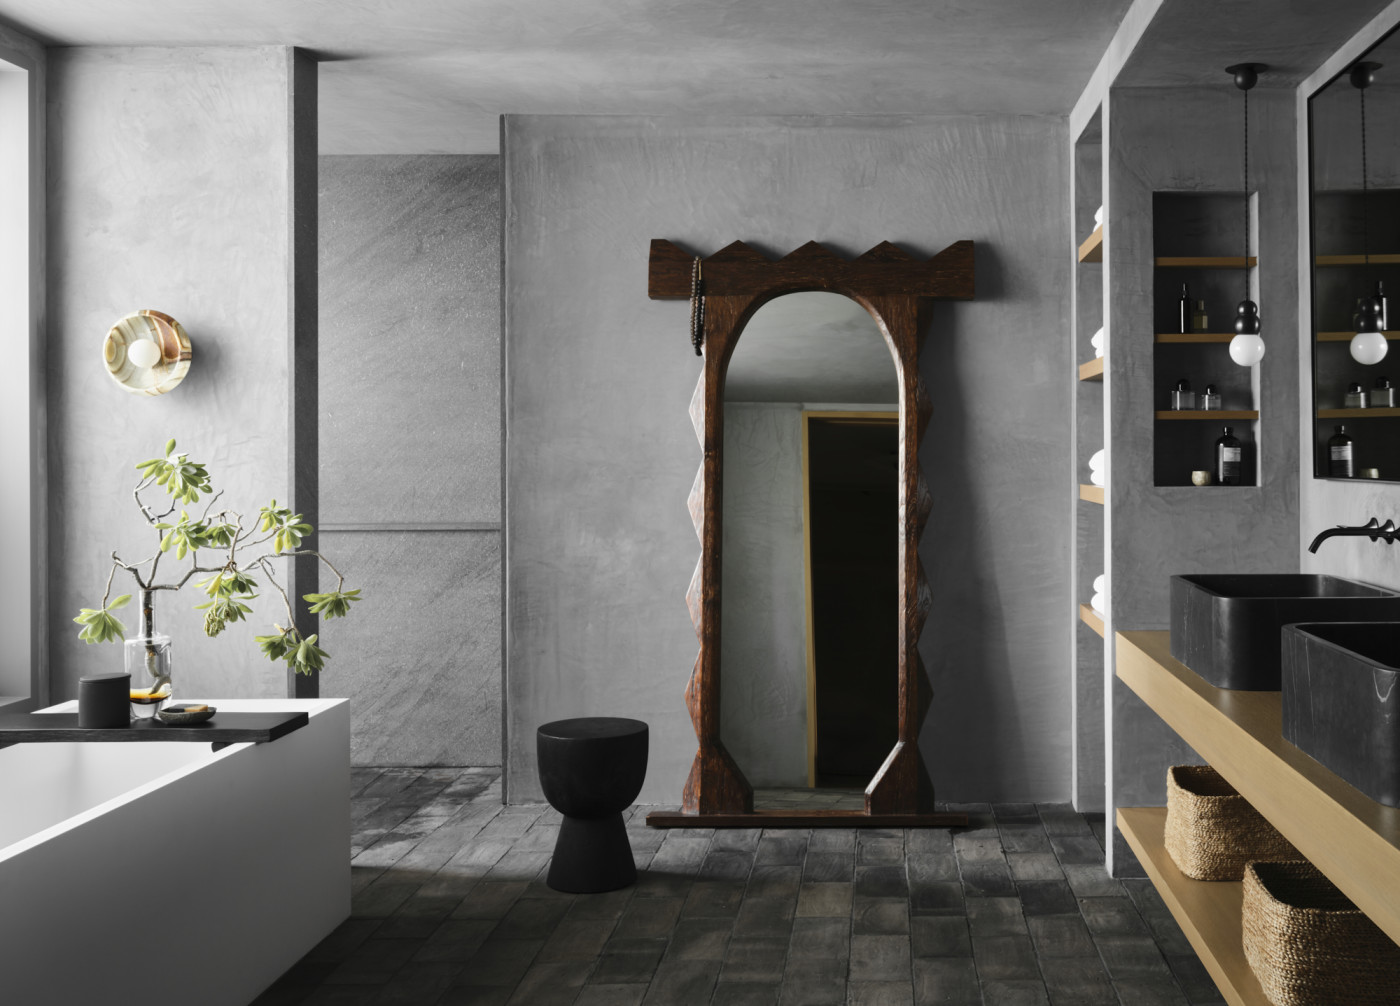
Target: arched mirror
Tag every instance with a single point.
(762, 349)
(809, 662)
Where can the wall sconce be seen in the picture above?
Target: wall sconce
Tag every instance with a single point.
(147, 353)
(1246, 348)
(1368, 345)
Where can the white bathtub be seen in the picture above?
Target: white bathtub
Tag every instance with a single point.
(167, 872)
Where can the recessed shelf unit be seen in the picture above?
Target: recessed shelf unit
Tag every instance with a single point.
(1092, 370)
(1091, 493)
(1357, 413)
(1361, 260)
(1347, 336)
(1194, 236)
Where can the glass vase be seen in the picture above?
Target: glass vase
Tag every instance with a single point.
(148, 663)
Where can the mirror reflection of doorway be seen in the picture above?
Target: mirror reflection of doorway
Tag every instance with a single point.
(851, 497)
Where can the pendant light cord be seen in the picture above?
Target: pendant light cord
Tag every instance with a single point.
(1365, 197)
(1246, 194)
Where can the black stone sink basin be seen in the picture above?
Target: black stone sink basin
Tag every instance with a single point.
(1340, 701)
(1226, 627)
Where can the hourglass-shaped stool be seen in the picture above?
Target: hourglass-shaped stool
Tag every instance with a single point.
(591, 769)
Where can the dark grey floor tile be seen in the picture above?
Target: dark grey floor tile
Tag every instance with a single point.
(415, 983)
(533, 919)
(611, 995)
(343, 995)
(880, 916)
(884, 852)
(1024, 838)
(1132, 957)
(489, 899)
(1047, 897)
(1015, 813)
(454, 941)
(832, 840)
(1077, 849)
(1016, 992)
(476, 995)
(577, 939)
(500, 962)
(1149, 992)
(892, 993)
(1112, 917)
(343, 941)
(547, 983)
(824, 899)
(649, 917)
(1057, 936)
(820, 940)
(785, 850)
(939, 936)
(746, 994)
(1170, 939)
(769, 917)
(931, 866)
(936, 897)
(1009, 956)
(725, 864)
(881, 882)
(700, 939)
(774, 881)
(750, 959)
(609, 906)
(948, 981)
(679, 981)
(987, 878)
(878, 958)
(742, 839)
(918, 841)
(804, 991)
(1195, 981)
(713, 899)
(374, 962)
(382, 898)
(631, 961)
(1077, 981)
(821, 867)
(1092, 880)
(995, 917)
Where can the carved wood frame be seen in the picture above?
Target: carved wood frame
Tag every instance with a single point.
(894, 287)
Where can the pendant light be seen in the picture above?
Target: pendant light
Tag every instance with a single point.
(1246, 348)
(1368, 345)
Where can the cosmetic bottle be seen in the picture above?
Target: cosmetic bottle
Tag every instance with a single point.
(1356, 396)
(1228, 459)
(1183, 398)
(1199, 321)
(1184, 310)
(1382, 395)
(1341, 463)
(1210, 399)
(1384, 313)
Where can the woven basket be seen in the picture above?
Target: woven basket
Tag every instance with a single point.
(1212, 831)
(1309, 945)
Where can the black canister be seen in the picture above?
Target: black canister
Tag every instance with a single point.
(104, 701)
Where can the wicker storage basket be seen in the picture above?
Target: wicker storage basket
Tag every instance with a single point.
(1212, 831)
(1309, 945)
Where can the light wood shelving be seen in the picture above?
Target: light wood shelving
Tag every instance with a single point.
(1193, 337)
(1357, 413)
(1329, 260)
(1094, 494)
(1091, 618)
(1351, 838)
(1208, 911)
(1209, 261)
(1092, 248)
(1347, 336)
(1092, 370)
(1237, 415)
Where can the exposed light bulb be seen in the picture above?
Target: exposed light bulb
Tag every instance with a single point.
(143, 354)
(1369, 348)
(1246, 348)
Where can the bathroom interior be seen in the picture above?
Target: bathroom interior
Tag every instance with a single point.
(441, 267)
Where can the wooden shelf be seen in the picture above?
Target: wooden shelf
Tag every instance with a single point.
(1092, 248)
(1326, 260)
(1194, 337)
(1209, 414)
(1209, 261)
(1091, 618)
(1347, 336)
(1094, 494)
(1092, 370)
(1357, 413)
(1350, 837)
(1208, 911)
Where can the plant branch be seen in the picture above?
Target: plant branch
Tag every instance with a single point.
(116, 563)
(340, 579)
(291, 612)
(186, 578)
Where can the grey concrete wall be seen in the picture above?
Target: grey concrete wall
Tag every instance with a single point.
(24, 510)
(1182, 139)
(410, 443)
(168, 188)
(600, 453)
(763, 652)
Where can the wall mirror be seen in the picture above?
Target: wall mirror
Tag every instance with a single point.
(809, 606)
(816, 344)
(1356, 254)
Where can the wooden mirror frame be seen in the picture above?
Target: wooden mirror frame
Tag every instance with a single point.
(894, 287)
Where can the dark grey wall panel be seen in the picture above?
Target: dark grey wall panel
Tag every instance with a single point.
(420, 657)
(410, 339)
(601, 454)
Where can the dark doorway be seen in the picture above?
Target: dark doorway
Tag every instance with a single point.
(853, 527)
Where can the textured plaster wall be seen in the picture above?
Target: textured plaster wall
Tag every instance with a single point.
(1183, 139)
(168, 188)
(411, 452)
(763, 652)
(600, 453)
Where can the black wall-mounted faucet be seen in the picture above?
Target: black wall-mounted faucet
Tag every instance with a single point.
(1374, 530)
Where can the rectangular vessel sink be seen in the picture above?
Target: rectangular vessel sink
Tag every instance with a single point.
(1341, 704)
(1226, 627)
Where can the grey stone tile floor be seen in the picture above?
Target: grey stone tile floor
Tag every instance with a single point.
(450, 907)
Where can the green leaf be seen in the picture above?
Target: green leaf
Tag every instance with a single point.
(119, 602)
(169, 446)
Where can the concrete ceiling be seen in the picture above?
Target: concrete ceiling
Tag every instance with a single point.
(812, 347)
(1190, 42)
(432, 76)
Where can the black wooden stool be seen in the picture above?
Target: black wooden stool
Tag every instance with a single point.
(591, 769)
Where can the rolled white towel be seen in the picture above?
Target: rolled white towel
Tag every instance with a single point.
(1098, 353)
(1096, 460)
(1096, 340)
(1098, 217)
(1097, 603)
(1098, 584)
(1096, 477)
